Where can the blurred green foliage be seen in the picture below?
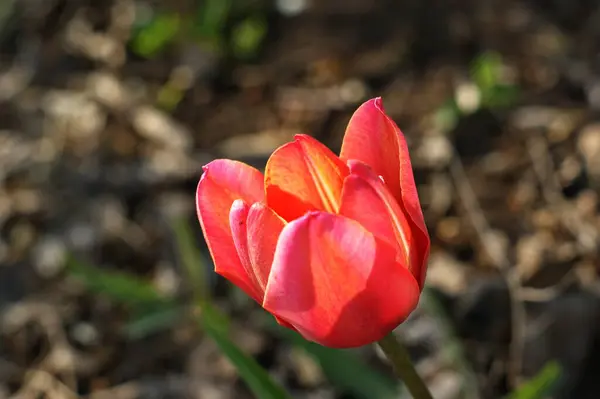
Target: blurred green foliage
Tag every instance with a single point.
(486, 70)
(451, 347)
(225, 28)
(258, 380)
(540, 386)
(169, 96)
(160, 314)
(6, 10)
(247, 36)
(211, 17)
(158, 33)
(191, 259)
(151, 312)
(236, 28)
(343, 368)
(486, 73)
(159, 319)
(122, 288)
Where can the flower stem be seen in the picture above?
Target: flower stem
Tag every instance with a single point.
(403, 366)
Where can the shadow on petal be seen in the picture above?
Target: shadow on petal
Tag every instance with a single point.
(390, 296)
(336, 284)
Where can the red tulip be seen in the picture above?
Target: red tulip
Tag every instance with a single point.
(333, 247)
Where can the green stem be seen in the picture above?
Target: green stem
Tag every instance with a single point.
(403, 366)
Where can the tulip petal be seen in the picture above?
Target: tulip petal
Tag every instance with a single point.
(264, 228)
(336, 283)
(303, 176)
(366, 199)
(373, 138)
(238, 216)
(255, 230)
(222, 182)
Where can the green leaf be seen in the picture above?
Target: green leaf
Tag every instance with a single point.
(344, 369)
(451, 347)
(214, 318)
(446, 117)
(248, 36)
(485, 71)
(156, 35)
(540, 386)
(258, 380)
(169, 96)
(191, 258)
(212, 17)
(7, 8)
(215, 323)
(149, 323)
(501, 96)
(119, 287)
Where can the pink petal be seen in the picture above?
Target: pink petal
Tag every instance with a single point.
(302, 176)
(255, 232)
(373, 138)
(222, 182)
(238, 216)
(366, 199)
(336, 283)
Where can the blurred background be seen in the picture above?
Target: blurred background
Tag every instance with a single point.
(109, 108)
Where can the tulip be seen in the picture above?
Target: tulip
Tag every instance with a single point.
(334, 247)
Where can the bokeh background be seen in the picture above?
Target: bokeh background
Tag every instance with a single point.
(109, 108)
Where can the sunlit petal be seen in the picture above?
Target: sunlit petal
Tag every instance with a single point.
(303, 176)
(373, 138)
(223, 182)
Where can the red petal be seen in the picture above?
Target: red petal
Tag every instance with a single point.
(336, 284)
(366, 199)
(264, 228)
(302, 176)
(373, 138)
(222, 182)
(284, 323)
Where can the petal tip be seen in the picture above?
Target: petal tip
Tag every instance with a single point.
(202, 176)
(205, 168)
(308, 216)
(258, 206)
(301, 137)
(313, 214)
(378, 102)
(358, 167)
(238, 204)
(215, 162)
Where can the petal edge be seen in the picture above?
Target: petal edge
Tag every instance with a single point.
(222, 182)
(374, 138)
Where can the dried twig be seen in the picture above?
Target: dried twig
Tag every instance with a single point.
(173, 385)
(584, 233)
(39, 381)
(501, 262)
(546, 294)
(60, 358)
